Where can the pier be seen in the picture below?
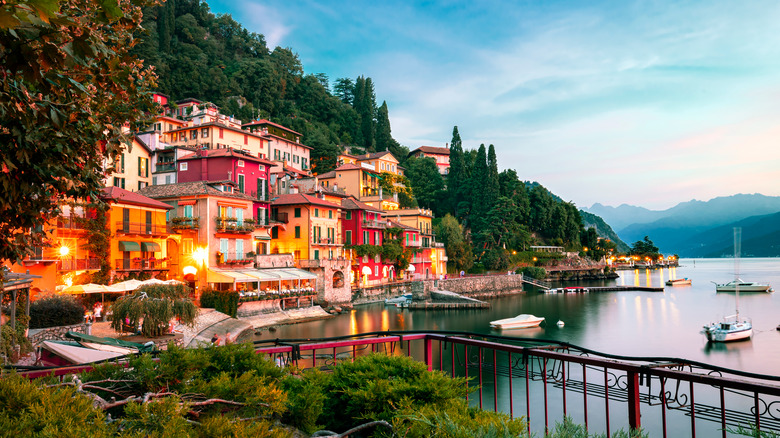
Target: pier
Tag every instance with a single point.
(572, 290)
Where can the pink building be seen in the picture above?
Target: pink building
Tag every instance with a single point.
(363, 224)
(441, 155)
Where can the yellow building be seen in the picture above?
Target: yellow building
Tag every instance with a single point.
(132, 168)
(139, 235)
(382, 161)
(310, 230)
(361, 182)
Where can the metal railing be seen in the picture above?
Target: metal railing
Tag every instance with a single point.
(374, 224)
(141, 228)
(78, 264)
(139, 264)
(280, 217)
(232, 225)
(545, 381)
(185, 223)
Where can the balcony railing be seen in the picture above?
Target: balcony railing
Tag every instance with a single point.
(260, 196)
(414, 244)
(78, 264)
(325, 241)
(232, 225)
(141, 228)
(280, 217)
(184, 223)
(139, 264)
(166, 167)
(374, 224)
(70, 223)
(231, 258)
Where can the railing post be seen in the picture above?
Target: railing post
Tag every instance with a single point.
(634, 415)
(429, 353)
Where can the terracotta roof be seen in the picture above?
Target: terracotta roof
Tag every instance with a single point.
(218, 125)
(351, 166)
(351, 203)
(432, 150)
(122, 196)
(301, 198)
(373, 155)
(226, 152)
(327, 175)
(194, 188)
(266, 135)
(189, 99)
(173, 119)
(268, 122)
(395, 224)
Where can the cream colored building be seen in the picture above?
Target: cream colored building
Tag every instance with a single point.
(132, 169)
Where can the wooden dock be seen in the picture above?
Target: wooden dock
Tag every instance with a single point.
(573, 290)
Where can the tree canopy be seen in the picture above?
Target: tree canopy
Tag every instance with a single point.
(69, 87)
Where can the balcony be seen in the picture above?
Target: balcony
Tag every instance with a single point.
(84, 264)
(281, 217)
(179, 224)
(166, 166)
(260, 196)
(139, 264)
(141, 228)
(369, 191)
(374, 224)
(72, 223)
(414, 244)
(233, 259)
(232, 225)
(326, 241)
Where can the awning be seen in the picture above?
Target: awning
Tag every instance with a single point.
(366, 270)
(236, 276)
(150, 247)
(125, 245)
(253, 275)
(217, 277)
(295, 274)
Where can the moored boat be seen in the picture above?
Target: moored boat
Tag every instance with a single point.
(728, 330)
(679, 282)
(742, 286)
(518, 322)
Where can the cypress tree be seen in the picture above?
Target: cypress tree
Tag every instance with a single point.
(477, 182)
(383, 137)
(491, 181)
(455, 176)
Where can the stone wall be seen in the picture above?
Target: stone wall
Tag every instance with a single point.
(37, 336)
(375, 294)
(481, 286)
(332, 279)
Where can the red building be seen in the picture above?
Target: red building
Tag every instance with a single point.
(363, 224)
(411, 239)
(250, 174)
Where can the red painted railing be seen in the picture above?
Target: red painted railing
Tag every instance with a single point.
(548, 380)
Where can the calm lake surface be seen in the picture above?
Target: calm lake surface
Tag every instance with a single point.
(666, 324)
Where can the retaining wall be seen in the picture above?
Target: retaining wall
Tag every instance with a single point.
(484, 286)
(37, 336)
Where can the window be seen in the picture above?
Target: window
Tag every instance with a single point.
(186, 246)
(194, 134)
(182, 166)
(261, 216)
(316, 212)
(119, 182)
(376, 238)
(297, 211)
(188, 211)
(183, 136)
(261, 188)
(143, 167)
(168, 178)
(154, 180)
(240, 163)
(376, 270)
(274, 233)
(223, 248)
(349, 214)
(348, 237)
(241, 183)
(142, 184)
(316, 254)
(240, 216)
(246, 139)
(365, 238)
(297, 232)
(221, 131)
(330, 214)
(239, 249)
(204, 132)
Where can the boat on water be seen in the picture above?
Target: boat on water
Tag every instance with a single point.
(518, 322)
(402, 301)
(743, 286)
(731, 328)
(640, 265)
(679, 282)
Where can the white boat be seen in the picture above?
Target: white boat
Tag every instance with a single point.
(679, 282)
(731, 328)
(403, 299)
(744, 286)
(518, 322)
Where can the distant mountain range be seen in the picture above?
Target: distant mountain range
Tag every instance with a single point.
(702, 228)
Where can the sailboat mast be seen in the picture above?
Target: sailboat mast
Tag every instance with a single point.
(737, 251)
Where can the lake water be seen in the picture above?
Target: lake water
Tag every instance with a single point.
(666, 324)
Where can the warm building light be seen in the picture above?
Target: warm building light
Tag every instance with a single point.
(200, 254)
(64, 250)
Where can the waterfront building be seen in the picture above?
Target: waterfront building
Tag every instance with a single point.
(363, 224)
(360, 181)
(284, 145)
(431, 261)
(132, 167)
(441, 155)
(311, 227)
(411, 239)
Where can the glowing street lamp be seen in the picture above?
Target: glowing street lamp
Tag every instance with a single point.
(64, 251)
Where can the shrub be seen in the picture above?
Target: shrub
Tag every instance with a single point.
(458, 421)
(156, 306)
(534, 272)
(222, 301)
(55, 311)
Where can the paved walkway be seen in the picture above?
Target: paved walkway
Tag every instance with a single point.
(291, 316)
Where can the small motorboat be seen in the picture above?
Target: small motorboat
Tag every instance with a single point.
(730, 329)
(560, 323)
(679, 282)
(518, 322)
(399, 301)
(743, 286)
(575, 289)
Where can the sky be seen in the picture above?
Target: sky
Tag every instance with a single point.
(647, 103)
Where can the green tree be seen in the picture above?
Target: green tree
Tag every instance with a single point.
(344, 90)
(69, 86)
(451, 234)
(456, 178)
(384, 140)
(480, 202)
(154, 306)
(427, 182)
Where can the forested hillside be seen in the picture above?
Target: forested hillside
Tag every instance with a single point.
(213, 58)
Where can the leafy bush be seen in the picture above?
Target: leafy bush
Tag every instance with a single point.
(534, 272)
(374, 387)
(222, 301)
(156, 305)
(55, 311)
(458, 421)
(305, 399)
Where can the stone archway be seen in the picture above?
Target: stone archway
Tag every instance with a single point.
(338, 279)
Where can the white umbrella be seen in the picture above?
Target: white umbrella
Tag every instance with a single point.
(90, 288)
(153, 281)
(125, 286)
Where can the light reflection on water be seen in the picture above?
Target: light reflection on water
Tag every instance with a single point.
(664, 324)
